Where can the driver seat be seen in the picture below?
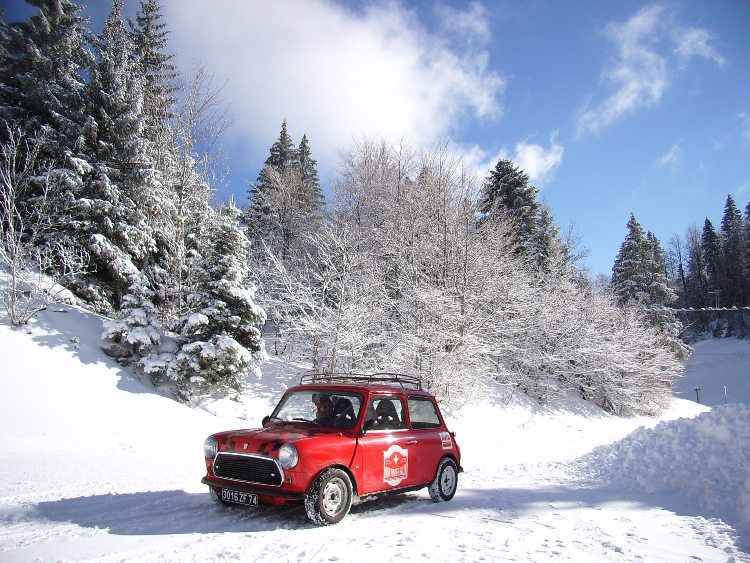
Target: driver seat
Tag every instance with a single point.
(343, 413)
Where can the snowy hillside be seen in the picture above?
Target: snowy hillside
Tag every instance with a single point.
(96, 466)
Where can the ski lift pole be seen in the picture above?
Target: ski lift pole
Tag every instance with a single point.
(697, 394)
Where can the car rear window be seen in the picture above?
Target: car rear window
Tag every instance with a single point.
(423, 414)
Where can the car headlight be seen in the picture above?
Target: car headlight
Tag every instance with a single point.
(210, 447)
(288, 456)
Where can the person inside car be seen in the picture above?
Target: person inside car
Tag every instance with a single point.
(325, 414)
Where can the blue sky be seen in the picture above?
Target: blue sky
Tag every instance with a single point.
(612, 107)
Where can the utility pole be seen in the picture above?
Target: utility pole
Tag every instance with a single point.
(716, 294)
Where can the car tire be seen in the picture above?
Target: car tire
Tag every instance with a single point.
(330, 497)
(444, 486)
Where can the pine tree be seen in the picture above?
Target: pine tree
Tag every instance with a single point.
(311, 196)
(283, 157)
(711, 248)
(43, 94)
(506, 191)
(221, 337)
(136, 329)
(656, 259)
(638, 274)
(548, 248)
(41, 76)
(696, 294)
(286, 203)
(733, 253)
(120, 188)
(149, 36)
(262, 215)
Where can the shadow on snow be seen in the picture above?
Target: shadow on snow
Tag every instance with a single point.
(179, 512)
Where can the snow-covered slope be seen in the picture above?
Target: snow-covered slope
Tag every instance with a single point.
(96, 466)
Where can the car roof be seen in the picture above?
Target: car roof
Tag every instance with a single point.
(378, 389)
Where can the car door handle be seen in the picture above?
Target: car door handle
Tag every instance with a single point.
(411, 442)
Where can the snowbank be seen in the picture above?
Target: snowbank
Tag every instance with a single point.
(701, 464)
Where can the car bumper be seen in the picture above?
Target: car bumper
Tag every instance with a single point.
(260, 491)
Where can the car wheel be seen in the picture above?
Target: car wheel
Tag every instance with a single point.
(330, 497)
(443, 487)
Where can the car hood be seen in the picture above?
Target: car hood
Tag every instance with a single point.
(269, 439)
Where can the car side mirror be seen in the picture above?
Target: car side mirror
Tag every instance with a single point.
(265, 420)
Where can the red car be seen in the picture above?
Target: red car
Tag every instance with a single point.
(336, 439)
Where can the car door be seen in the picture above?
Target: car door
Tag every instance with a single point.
(429, 441)
(387, 447)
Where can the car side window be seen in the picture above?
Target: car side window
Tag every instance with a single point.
(423, 414)
(385, 413)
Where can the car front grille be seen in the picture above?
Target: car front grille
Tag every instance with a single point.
(256, 469)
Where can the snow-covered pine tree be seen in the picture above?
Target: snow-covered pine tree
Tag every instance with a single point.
(261, 217)
(659, 290)
(277, 206)
(41, 79)
(711, 249)
(696, 293)
(120, 188)
(311, 195)
(220, 337)
(136, 332)
(733, 252)
(639, 280)
(286, 203)
(283, 156)
(42, 94)
(630, 279)
(506, 190)
(149, 36)
(638, 274)
(548, 246)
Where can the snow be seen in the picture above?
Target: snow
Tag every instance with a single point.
(97, 466)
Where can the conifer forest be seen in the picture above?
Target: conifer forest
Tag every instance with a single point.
(407, 262)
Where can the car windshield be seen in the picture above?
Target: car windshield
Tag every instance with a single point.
(335, 409)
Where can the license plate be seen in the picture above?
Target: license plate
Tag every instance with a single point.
(238, 497)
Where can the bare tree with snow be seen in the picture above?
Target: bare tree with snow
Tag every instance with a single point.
(33, 261)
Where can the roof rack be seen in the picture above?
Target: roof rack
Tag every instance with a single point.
(401, 379)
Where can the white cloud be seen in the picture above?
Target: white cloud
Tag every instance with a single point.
(671, 159)
(538, 162)
(470, 26)
(638, 76)
(334, 73)
(695, 42)
(645, 66)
